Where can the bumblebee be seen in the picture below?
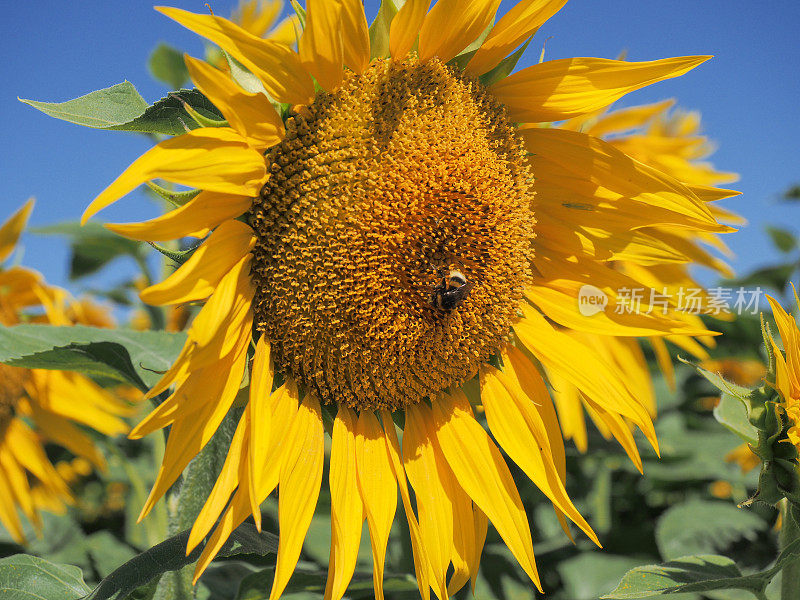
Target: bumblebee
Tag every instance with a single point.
(451, 290)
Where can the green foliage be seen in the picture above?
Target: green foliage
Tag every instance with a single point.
(703, 526)
(25, 577)
(93, 246)
(783, 239)
(116, 355)
(312, 584)
(170, 555)
(167, 66)
(121, 108)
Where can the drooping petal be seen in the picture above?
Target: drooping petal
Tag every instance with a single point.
(300, 479)
(217, 159)
(198, 277)
(484, 475)
(355, 35)
(252, 115)
(196, 218)
(520, 430)
(421, 563)
(277, 66)
(405, 27)
(224, 486)
(347, 510)
(421, 457)
(566, 88)
(321, 47)
(11, 229)
(517, 25)
(556, 350)
(452, 25)
(258, 407)
(378, 487)
(790, 336)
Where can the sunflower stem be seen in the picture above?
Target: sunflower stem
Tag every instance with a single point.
(790, 531)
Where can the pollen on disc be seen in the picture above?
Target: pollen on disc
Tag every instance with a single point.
(406, 170)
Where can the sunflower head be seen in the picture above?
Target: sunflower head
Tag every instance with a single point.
(405, 172)
(787, 366)
(385, 216)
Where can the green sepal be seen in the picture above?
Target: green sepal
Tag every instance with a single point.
(379, 29)
(179, 256)
(176, 198)
(198, 118)
(301, 13)
(503, 70)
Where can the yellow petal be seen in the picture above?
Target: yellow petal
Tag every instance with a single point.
(190, 434)
(484, 475)
(224, 486)
(559, 352)
(11, 229)
(517, 25)
(790, 336)
(429, 479)
(300, 479)
(355, 35)
(347, 510)
(590, 159)
(9, 516)
(258, 407)
(452, 25)
(421, 563)
(521, 432)
(277, 66)
(252, 115)
(321, 48)
(212, 158)
(198, 277)
(405, 27)
(625, 119)
(561, 89)
(378, 487)
(196, 218)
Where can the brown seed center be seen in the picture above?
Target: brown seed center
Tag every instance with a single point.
(382, 190)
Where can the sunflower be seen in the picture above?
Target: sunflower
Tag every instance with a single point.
(41, 407)
(787, 365)
(386, 246)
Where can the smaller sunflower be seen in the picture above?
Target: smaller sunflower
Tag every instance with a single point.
(787, 365)
(39, 407)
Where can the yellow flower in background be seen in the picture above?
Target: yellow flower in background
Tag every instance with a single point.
(787, 365)
(393, 241)
(39, 407)
(260, 17)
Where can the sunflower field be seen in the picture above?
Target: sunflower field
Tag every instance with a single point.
(390, 300)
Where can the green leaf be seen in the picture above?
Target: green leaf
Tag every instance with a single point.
(719, 382)
(588, 574)
(793, 193)
(170, 555)
(732, 413)
(775, 276)
(700, 527)
(166, 65)
(783, 239)
(257, 586)
(125, 356)
(102, 109)
(699, 573)
(26, 577)
(93, 246)
(244, 77)
(121, 108)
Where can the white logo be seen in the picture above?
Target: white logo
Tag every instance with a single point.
(591, 300)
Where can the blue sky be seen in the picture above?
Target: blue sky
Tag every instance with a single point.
(749, 96)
